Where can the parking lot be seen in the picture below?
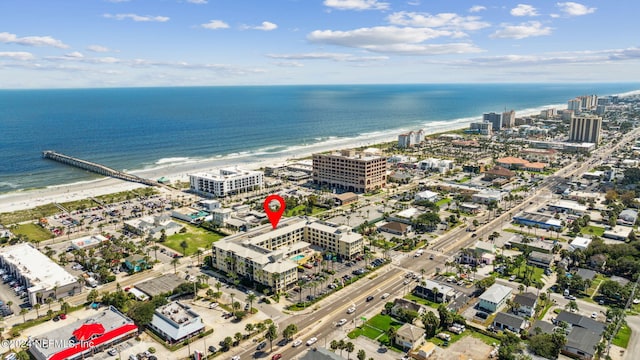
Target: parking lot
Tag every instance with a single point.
(14, 294)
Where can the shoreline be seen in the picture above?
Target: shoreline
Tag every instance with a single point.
(178, 169)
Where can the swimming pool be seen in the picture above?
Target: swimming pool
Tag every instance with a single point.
(297, 257)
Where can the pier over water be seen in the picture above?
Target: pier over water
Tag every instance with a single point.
(96, 168)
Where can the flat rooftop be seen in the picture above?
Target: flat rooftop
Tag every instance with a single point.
(160, 285)
(41, 272)
(176, 313)
(227, 173)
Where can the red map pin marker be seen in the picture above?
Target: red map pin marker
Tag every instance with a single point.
(274, 215)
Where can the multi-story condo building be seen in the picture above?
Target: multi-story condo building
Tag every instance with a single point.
(412, 138)
(483, 128)
(494, 119)
(575, 105)
(350, 171)
(509, 119)
(585, 128)
(271, 256)
(227, 182)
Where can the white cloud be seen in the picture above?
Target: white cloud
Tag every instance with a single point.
(391, 39)
(137, 18)
(9, 38)
(356, 4)
(75, 54)
(17, 55)
(98, 48)
(524, 10)
(524, 30)
(573, 57)
(215, 24)
(477, 8)
(198, 2)
(575, 9)
(443, 20)
(265, 26)
(340, 57)
(288, 64)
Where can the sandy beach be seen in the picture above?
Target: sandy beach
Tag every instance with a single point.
(21, 200)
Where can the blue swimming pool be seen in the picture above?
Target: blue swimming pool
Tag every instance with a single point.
(297, 257)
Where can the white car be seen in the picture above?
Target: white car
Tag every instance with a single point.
(341, 322)
(237, 357)
(297, 343)
(351, 310)
(312, 341)
(213, 305)
(594, 315)
(384, 296)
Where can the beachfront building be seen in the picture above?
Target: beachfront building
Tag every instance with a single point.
(494, 119)
(509, 119)
(271, 256)
(410, 139)
(176, 322)
(482, 128)
(350, 171)
(229, 181)
(585, 128)
(84, 337)
(41, 277)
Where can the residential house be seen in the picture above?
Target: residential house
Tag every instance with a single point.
(444, 293)
(525, 304)
(395, 228)
(539, 259)
(425, 350)
(136, 263)
(409, 336)
(505, 321)
(494, 297)
(628, 217)
(581, 343)
(586, 274)
(406, 305)
(577, 320)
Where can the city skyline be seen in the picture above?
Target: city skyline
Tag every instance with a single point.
(123, 43)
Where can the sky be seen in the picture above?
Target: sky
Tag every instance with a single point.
(125, 43)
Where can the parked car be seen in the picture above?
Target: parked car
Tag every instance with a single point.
(276, 357)
(262, 345)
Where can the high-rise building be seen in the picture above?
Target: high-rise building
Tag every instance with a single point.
(509, 119)
(350, 171)
(412, 138)
(494, 119)
(585, 128)
(227, 182)
(575, 105)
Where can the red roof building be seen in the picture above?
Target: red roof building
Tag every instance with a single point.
(84, 337)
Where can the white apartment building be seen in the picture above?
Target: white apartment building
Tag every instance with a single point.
(412, 138)
(271, 256)
(229, 181)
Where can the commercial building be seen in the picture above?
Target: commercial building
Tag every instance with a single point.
(579, 242)
(509, 119)
(176, 322)
(152, 226)
(494, 297)
(585, 128)
(444, 294)
(84, 337)
(42, 277)
(482, 128)
(87, 242)
(541, 221)
(229, 181)
(350, 171)
(494, 119)
(271, 256)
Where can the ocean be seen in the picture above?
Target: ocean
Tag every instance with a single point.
(138, 128)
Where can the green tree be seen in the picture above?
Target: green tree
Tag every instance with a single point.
(362, 355)
(228, 341)
(251, 298)
(184, 245)
(141, 313)
(175, 262)
(237, 336)
(333, 345)
(289, 331)
(349, 347)
(272, 334)
(92, 296)
(430, 321)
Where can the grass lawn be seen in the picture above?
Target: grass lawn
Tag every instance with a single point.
(299, 210)
(195, 238)
(32, 231)
(443, 201)
(536, 276)
(454, 337)
(485, 338)
(544, 311)
(374, 327)
(622, 337)
(421, 301)
(592, 230)
(595, 283)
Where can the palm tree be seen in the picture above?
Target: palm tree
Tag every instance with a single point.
(37, 307)
(272, 334)
(435, 293)
(199, 253)
(184, 245)
(361, 353)
(250, 299)
(155, 251)
(175, 262)
(349, 347)
(48, 301)
(24, 312)
(391, 334)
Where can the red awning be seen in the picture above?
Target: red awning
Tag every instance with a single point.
(80, 347)
(86, 331)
